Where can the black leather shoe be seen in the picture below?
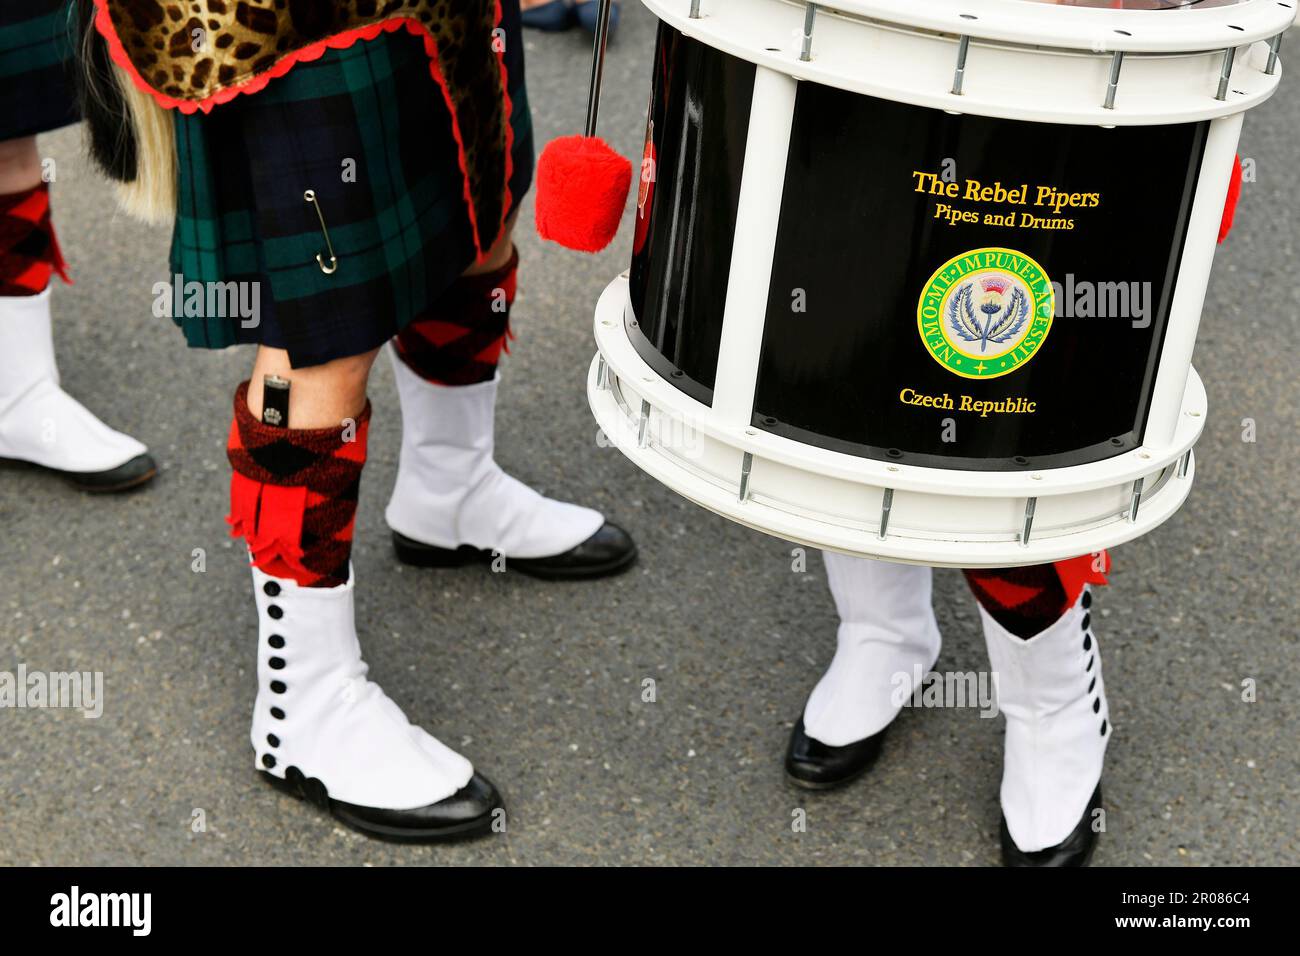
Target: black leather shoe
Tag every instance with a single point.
(469, 812)
(814, 765)
(609, 551)
(133, 474)
(1075, 850)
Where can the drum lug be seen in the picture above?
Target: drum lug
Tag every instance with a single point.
(746, 464)
(1030, 505)
(1135, 500)
(809, 16)
(886, 503)
(959, 76)
(1273, 46)
(1225, 73)
(641, 427)
(1116, 62)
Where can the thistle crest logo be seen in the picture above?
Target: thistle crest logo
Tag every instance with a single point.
(986, 312)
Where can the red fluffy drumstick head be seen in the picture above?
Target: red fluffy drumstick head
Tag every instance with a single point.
(582, 186)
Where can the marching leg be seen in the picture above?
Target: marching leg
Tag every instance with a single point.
(39, 422)
(1050, 689)
(888, 639)
(320, 728)
(452, 503)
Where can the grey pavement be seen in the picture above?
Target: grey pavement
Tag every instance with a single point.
(540, 684)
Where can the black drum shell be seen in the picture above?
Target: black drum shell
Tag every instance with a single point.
(857, 243)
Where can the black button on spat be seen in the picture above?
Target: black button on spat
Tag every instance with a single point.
(275, 611)
(271, 589)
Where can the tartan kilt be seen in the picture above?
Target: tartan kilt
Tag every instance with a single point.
(368, 130)
(37, 42)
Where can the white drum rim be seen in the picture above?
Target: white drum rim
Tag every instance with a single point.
(1187, 30)
(767, 33)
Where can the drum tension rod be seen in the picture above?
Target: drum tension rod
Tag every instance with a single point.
(695, 9)
(1184, 463)
(641, 425)
(1225, 73)
(809, 15)
(602, 373)
(1135, 501)
(746, 464)
(1116, 62)
(1273, 46)
(886, 503)
(959, 77)
(1030, 505)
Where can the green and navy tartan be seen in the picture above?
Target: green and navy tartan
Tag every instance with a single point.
(37, 40)
(399, 225)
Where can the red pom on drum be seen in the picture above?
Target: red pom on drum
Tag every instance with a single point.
(582, 187)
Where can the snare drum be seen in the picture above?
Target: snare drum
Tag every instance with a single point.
(920, 279)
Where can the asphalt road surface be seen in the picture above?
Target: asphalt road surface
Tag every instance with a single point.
(540, 684)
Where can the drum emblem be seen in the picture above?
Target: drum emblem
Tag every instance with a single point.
(986, 312)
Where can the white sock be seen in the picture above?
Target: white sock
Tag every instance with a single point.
(39, 422)
(887, 632)
(451, 492)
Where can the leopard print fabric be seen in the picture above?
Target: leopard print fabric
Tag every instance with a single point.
(189, 51)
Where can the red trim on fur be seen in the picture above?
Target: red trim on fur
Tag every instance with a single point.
(1230, 204)
(1080, 571)
(509, 107)
(314, 51)
(462, 158)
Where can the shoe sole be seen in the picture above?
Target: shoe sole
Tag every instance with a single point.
(321, 799)
(818, 785)
(70, 477)
(421, 555)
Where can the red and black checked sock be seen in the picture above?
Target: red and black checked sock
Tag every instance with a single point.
(460, 339)
(29, 251)
(293, 496)
(1026, 601)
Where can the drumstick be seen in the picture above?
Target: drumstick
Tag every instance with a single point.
(582, 183)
